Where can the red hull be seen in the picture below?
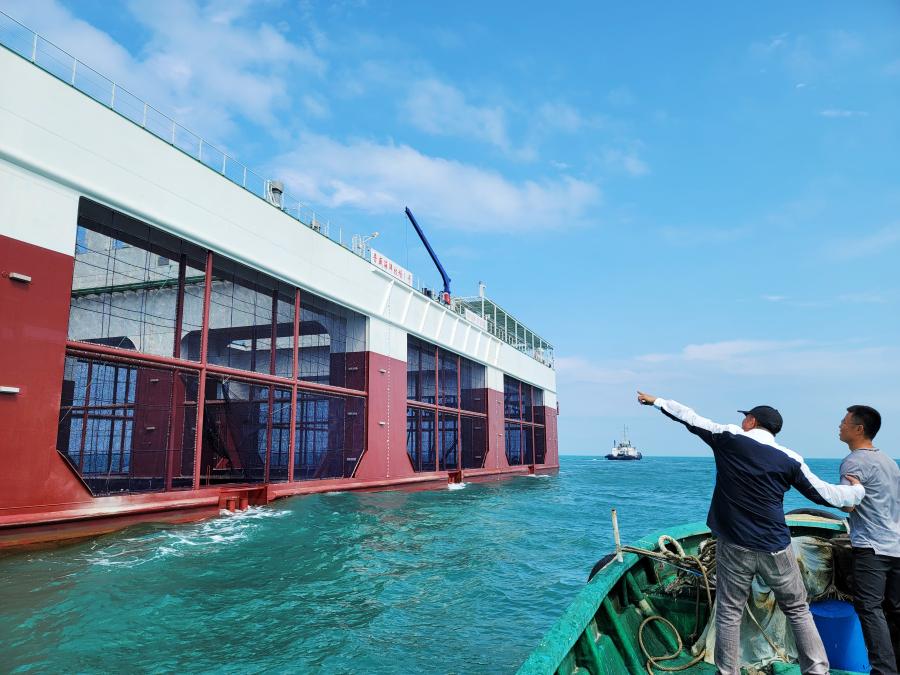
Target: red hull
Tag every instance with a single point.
(42, 497)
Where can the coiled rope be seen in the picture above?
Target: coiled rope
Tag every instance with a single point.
(702, 565)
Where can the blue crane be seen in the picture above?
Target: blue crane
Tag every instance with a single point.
(433, 255)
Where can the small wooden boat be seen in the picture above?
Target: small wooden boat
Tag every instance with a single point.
(643, 614)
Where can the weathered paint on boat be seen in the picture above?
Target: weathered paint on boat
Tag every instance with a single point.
(597, 634)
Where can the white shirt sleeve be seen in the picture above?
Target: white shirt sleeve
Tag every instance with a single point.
(689, 417)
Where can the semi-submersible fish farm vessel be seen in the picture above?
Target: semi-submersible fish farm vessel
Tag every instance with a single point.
(179, 336)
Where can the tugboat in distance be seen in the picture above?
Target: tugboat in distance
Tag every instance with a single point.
(624, 450)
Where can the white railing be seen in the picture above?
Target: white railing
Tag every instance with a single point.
(59, 63)
(56, 61)
(521, 337)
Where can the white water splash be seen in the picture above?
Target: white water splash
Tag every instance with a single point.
(456, 486)
(181, 541)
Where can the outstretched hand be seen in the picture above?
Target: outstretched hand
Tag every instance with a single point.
(645, 399)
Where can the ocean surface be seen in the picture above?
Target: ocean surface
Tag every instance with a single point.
(462, 580)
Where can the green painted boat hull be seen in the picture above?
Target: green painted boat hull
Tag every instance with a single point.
(598, 633)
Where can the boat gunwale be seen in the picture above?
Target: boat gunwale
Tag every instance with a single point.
(557, 642)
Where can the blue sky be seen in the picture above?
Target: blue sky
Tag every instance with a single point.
(698, 199)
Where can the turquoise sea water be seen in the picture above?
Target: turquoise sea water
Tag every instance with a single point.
(448, 581)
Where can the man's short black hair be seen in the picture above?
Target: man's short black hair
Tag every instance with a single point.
(868, 417)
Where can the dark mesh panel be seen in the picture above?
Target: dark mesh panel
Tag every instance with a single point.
(449, 442)
(235, 421)
(512, 402)
(473, 436)
(514, 444)
(281, 435)
(540, 444)
(420, 438)
(127, 428)
(329, 436)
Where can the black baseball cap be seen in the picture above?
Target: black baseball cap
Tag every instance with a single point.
(766, 416)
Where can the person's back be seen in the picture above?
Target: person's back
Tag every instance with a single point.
(753, 474)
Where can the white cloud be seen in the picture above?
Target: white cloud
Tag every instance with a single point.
(654, 358)
(864, 245)
(807, 58)
(774, 298)
(801, 360)
(561, 117)
(579, 369)
(842, 113)
(382, 178)
(772, 44)
(203, 63)
(438, 108)
(865, 298)
(625, 161)
(315, 106)
(730, 350)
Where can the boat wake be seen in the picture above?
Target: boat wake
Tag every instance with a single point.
(183, 541)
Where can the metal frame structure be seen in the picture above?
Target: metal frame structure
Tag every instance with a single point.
(438, 409)
(203, 368)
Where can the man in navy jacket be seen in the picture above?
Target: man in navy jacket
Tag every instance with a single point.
(746, 514)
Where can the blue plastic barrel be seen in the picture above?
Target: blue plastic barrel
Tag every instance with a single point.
(842, 634)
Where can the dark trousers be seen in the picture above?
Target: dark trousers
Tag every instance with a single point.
(877, 600)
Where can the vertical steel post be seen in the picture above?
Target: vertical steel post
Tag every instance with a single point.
(201, 387)
(295, 369)
(200, 152)
(34, 48)
(84, 416)
(437, 414)
(74, 65)
(179, 305)
(144, 121)
(459, 415)
(176, 353)
(112, 102)
(270, 418)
